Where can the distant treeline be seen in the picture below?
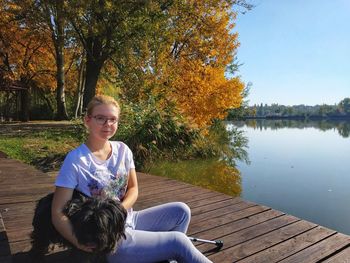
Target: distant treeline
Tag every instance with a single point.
(276, 111)
(342, 126)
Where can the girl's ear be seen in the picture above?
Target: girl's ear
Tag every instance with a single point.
(86, 120)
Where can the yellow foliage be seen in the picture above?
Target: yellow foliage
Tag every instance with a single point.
(203, 93)
(27, 51)
(202, 45)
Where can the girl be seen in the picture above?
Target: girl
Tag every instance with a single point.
(106, 168)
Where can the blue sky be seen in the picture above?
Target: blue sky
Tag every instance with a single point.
(296, 51)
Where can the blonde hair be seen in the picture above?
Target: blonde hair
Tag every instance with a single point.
(101, 100)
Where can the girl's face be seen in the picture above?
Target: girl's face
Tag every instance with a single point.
(103, 122)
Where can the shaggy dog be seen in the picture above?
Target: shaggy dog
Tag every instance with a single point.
(95, 221)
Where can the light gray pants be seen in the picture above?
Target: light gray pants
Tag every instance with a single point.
(159, 235)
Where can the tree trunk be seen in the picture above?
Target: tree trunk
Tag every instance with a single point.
(95, 58)
(47, 100)
(25, 102)
(59, 48)
(80, 88)
(60, 96)
(93, 69)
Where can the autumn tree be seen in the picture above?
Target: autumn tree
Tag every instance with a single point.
(178, 51)
(105, 29)
(48, 16)
(53, 14)
(24, 55)
(189, 59)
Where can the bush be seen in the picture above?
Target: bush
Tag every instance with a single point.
(226, 144)
(153, 132)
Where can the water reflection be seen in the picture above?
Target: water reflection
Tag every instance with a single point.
(343, 127)
(218, 173)
(212, 174)
(300, 168)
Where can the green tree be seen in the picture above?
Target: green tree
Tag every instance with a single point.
(106, 29)
(53, 14)
(48, 16)
(344, 105)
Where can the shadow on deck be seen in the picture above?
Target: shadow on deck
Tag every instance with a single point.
(251, 233)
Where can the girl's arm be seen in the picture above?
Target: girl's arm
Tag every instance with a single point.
(60, 221)
(132, 191)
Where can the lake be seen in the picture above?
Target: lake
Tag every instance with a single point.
(298, 167)
(301, 168)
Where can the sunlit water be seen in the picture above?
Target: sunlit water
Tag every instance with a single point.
(299, 168)
(301, 171)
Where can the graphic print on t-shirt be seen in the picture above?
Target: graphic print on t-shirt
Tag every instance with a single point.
(110, 184)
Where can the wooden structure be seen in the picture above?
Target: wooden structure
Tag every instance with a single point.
(251, 232)
(14, 101)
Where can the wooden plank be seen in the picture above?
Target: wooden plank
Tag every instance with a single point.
(2, 229)
(20, 234)
(246, 234)
(18, 218)
(290, 246)
(7, 181)
(342, 257)
(219, 197)
(148, 179)
(17, 208)
(23, 236)
(186, 193)
(147, 182)
(218, 231)
(20, 212)
(157, 184)
(213, 206)
(221, 211)
(18, 223)
(25, 245)
(26, 188)
(320, 250)
(266, 241)
(4, 244)
(173, 198)
(10, 165)
(26, 183)
(27, 197)
(172, 190)
(196, 227)
(20, 246)
(212, 200)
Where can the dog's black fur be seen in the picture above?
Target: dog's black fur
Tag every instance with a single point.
(96, 221)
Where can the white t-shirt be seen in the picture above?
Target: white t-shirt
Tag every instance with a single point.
(81, 170)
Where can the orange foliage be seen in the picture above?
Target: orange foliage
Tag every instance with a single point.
(26, 54)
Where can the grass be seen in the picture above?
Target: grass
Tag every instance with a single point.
(44, 149)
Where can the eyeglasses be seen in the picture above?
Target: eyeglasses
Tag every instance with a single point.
(102, 120)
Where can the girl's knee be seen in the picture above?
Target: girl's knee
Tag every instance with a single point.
(184, 208)
(180, 240)
(184, 215)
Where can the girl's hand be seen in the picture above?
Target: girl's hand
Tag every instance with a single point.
(87, 248)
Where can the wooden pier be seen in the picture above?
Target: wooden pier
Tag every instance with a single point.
(251, 232)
